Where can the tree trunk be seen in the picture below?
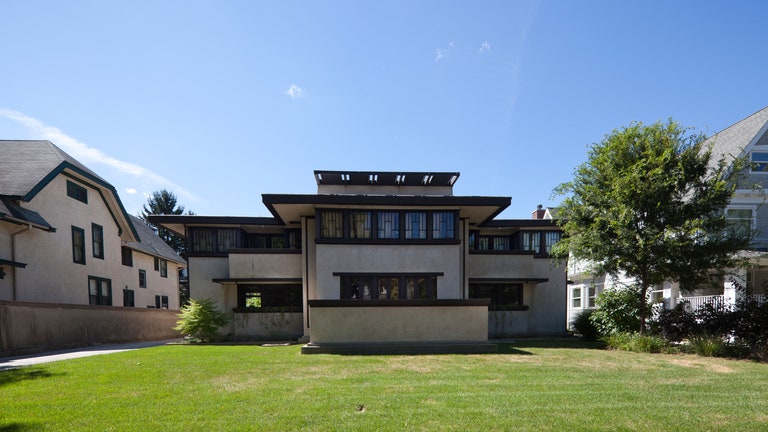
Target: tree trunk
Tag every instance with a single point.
(643, 307)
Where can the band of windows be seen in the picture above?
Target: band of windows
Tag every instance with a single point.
(387, 287)
(388, 225)
(538, 242)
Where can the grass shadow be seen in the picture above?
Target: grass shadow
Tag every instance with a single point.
(17, 427)
(14, 375)
(555, 344)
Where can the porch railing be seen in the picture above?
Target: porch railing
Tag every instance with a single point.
(697, 302)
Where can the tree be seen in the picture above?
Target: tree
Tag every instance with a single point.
(649, 202)
(201, 319)
(164, 202)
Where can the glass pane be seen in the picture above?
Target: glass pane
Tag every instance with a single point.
(360, 224)
(388, 225)
(442, 225)
(415, 225)
(331, 224)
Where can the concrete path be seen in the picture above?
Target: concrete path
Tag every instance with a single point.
(27, 360)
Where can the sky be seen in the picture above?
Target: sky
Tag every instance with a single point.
(222, 101)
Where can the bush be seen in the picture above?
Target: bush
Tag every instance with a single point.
(636, 342)
(201, 320)
(675, 324)
(707, 345)
(584, 325)
(618, 311)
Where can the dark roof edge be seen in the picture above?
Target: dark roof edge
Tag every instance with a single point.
(522, 223)
(213, 220)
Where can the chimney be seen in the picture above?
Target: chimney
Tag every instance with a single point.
(539, 212)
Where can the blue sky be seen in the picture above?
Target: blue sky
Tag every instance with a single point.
(221, 101)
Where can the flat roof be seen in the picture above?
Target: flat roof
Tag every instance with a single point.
(386, 178)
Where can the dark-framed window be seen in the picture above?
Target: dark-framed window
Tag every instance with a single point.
(759, 161)
(77, 192)
(388, 226)
(97, 240)
(269, 297)
(157, 263)
(387, 286)
(531, 241)
(126, 254)
(99, 291)
(78, 245)
(128, 298)
(163, 268)
(504, 296)
(550, 238)
(161, 302)
(142, 278)
(415, 225)
(205, 241)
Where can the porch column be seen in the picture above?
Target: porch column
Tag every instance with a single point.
(731, 293)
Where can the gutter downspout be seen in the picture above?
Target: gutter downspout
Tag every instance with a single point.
(13, 257)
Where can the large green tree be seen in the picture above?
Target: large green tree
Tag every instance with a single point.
(649, 203)
(164, 202)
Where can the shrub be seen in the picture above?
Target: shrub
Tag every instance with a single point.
(675, 324)
(201, 319)
(636, 342)
(707, 345)
(618, 311)
(584, 325)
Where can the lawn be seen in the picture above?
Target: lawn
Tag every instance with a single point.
(530, 385)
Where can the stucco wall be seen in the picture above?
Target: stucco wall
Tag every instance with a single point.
(40, 326)
(247, 265)
(202, 271)
(398, 324)
(351, 258)
(268, 326)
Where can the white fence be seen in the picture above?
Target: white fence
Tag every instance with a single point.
(697, 302)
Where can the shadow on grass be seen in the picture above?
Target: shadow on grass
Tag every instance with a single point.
(17, 427)
(551, 343)
(14, 375)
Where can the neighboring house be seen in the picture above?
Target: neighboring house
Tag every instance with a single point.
(378, 258)
(66, 239)
(748, 139)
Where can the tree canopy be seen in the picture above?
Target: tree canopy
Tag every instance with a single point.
(649, 203)
(164, 202)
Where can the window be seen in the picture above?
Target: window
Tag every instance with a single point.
(142, 279)
(227, 238)
(99, 291)
(500, 243)
(127, 256)
(415, 225)
(576, 297)
(161, 302)
(388, 225)
(532, 241)
(759, 161)
(331, 224)
(360, 224)
(128, 298)
(443, 225)
(740, 220)
(157, 263)
(78, 245)
(591, 296)
(387, 287)
(270, 297)
(504, 296)
(550, 238)
(202, 239)
(97, 239)
(77, 192)
(163, 268)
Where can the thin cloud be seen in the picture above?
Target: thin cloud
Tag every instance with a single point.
(90, 156)
(439, 54)
(485, 47)
(295, 92)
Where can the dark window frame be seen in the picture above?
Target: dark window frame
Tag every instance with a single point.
(78, 245)
(126, 256)
(163, 268)
(99, 298)
(206, 241)
(142, 278)
(272, 297)
(428, 229)
(129, 298)
(97, 240)
(77, 192)
(381, 286)
(499, 293)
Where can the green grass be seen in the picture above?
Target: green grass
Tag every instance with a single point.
(529, 386)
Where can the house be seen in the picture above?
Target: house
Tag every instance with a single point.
(66, 240)
(748, 138)
(378, 261)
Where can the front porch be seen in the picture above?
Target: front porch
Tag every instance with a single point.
(694, 303)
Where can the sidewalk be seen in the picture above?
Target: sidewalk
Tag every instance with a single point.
(47, 357)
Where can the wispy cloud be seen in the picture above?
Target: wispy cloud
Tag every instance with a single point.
(91, 156)
(485, 47)
(295, 92)
(439, 54)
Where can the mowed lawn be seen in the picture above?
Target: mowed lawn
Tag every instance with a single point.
(530, 385)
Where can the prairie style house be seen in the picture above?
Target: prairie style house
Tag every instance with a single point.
(378, 259)
(65, 237)
(748, 139)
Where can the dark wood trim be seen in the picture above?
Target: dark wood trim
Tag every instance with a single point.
(264, 251)
(507, 280)
(399, 303)
(394, 274)
(265, 281)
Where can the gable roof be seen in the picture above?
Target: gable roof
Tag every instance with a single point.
(151, 243)
(27, 166)
(739, 138)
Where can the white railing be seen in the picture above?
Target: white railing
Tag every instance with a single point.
(760, 298)
(697, 302)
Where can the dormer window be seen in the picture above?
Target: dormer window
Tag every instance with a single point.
(77, 192)
(760, 161)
